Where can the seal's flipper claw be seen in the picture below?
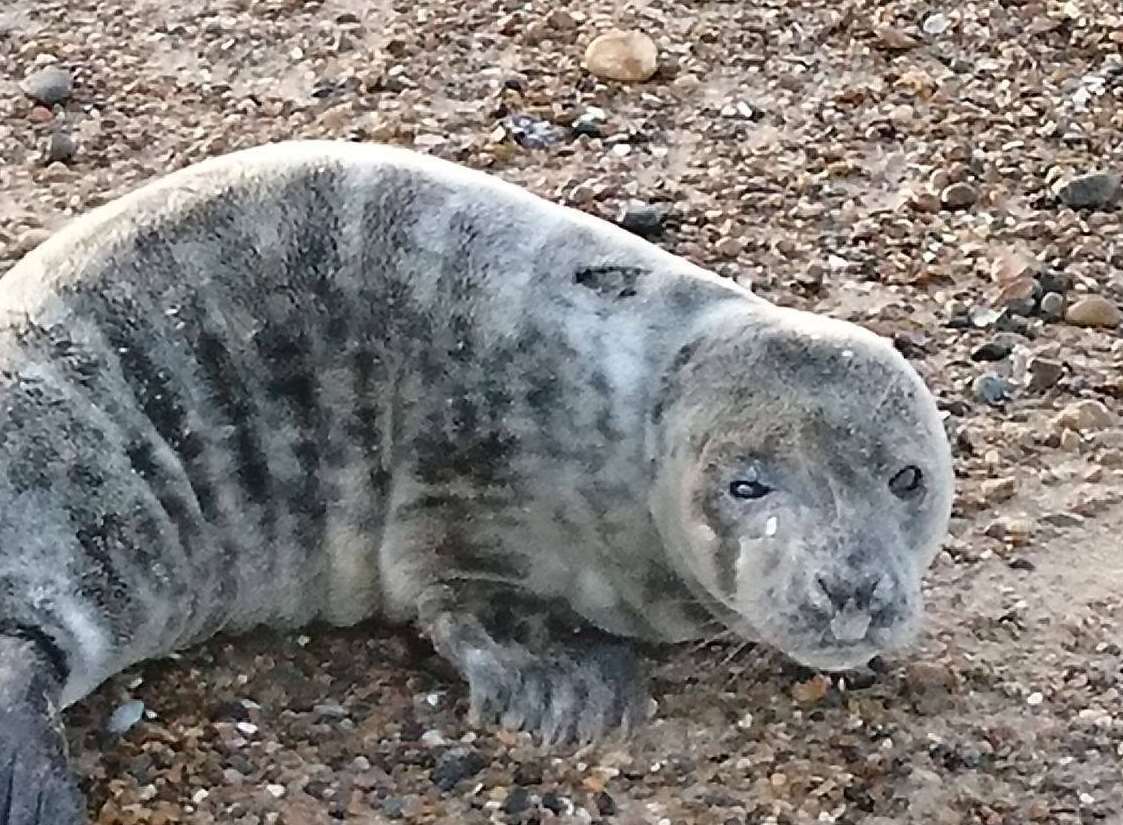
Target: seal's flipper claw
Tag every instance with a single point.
(37, 786)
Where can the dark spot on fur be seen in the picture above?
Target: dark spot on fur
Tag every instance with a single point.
(104, 539)
(364, 423)
(175, 506)
(684, 354)
(286, 353)
(85, 476)
(234, 401)
(670, 383)
(159, 393)
(609, 281)
(459, 555)
(45, 645)
(482, 458)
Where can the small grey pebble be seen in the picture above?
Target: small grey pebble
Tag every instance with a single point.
(606, 805)
(1054, 280)
(517, 801)
(994, 350)
(555, 804)
(393, 808)
(589, 124)
(1091, 191)
(229, 711)
(644, 219)
(1023, 307)
(531, 132)
(124, 717)
(1010, 322)
(1063, 519)
(456, 765)
(60, 148)
(1044, 373)
(528, 773)
(330, 710)
(48, 86)
(1053, 306)
(990, 388)
(910, 344)
(983, 317)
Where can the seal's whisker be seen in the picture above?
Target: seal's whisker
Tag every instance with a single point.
(736, 652)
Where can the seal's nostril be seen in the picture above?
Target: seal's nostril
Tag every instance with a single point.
(838, 595)
(863, 593)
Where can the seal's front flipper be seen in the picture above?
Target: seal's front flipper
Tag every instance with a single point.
(562, 686)
(36, 784)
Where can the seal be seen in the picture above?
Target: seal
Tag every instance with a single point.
(328, 381)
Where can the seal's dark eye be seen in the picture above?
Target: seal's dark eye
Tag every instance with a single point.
(749, 489)
(908, 482)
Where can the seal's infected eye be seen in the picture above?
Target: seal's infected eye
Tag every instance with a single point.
(748, 489)
(908, 482)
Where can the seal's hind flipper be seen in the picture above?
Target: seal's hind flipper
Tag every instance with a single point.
(36, 783)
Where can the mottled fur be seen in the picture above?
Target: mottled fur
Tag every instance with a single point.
(329, 381)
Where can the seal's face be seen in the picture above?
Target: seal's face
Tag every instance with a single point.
(818, 500)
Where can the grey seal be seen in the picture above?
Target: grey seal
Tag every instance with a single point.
(327, 381)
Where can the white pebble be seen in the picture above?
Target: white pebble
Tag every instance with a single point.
(276, 791)
(771, 526)
(1035, 698)
(935, 24)
(248, 728)
(433, 738)
(124, 717)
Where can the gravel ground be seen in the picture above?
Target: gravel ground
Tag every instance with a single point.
(905, 166)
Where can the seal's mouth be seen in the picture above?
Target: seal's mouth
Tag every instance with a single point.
(836, 656)
(848, 640)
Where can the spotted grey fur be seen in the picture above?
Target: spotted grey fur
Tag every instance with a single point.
(321, 381)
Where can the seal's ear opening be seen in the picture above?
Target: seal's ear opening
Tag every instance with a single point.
(36, 784)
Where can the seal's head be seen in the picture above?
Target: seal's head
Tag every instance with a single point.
(804, 481)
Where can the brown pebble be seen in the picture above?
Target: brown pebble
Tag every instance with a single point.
(40, 114)
(626, 56)
(1094, 311)
(729, 246)
(1088, 414)
(959, 196)
(999, 489)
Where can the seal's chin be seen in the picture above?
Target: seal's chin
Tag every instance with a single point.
(836, 658)
(836, 646)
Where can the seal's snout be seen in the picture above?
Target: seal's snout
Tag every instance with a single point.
(853, 604)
